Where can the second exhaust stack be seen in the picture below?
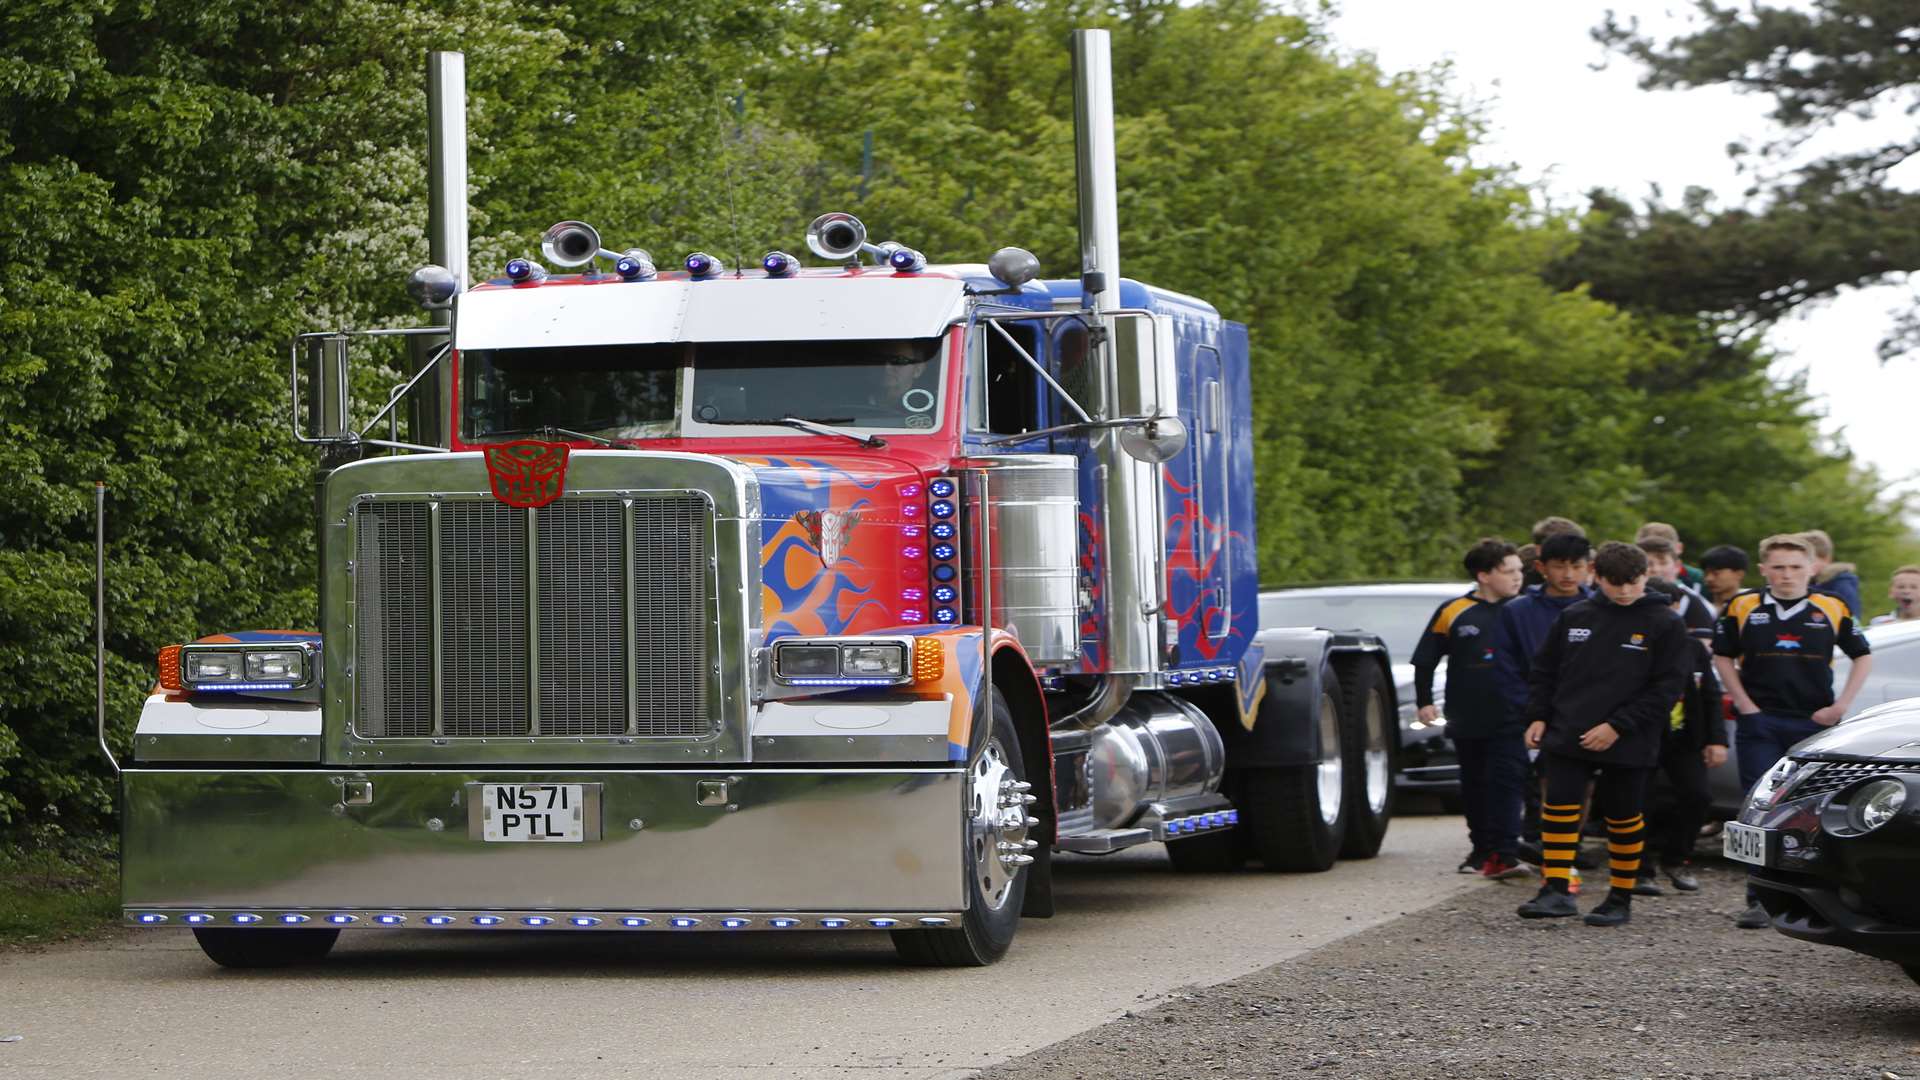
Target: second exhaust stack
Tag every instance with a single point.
(1094, 166)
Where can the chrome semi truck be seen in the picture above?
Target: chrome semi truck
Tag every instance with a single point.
(838, 596)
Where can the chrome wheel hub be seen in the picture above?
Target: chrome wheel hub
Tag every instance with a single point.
(997, 824)
(1329, 772)
(1379, 780)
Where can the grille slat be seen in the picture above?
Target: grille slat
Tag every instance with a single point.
(584, 575)
(1834, 775)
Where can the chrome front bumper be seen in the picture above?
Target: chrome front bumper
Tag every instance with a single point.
(822, 845)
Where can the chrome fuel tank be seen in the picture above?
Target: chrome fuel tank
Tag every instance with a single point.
(1033, 510)
(1154, 750)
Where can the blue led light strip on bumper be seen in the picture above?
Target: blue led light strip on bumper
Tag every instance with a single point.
(509, 919)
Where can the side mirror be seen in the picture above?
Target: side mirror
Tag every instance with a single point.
(432, 286)
(1153, 439)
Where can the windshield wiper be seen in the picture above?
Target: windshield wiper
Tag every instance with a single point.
(550, 430)
(872, 442)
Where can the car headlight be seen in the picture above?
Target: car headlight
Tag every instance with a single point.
(857, 661)
(1875, 804)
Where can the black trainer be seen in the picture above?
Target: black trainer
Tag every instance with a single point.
(1646, 884)
(1551, 903)
(1613, 911)
(1681, 874)
(1754, 918)
(1472, 863)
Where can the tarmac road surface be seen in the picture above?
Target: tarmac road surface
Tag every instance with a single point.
(499, 1006)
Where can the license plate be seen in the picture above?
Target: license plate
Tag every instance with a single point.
(1744, 843)
(535, 813)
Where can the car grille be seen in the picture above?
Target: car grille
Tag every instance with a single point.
(1833, 775)
(586, 617)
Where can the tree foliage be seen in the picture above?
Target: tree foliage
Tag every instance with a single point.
(188, 185)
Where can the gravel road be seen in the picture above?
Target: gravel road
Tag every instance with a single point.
(1466, 989)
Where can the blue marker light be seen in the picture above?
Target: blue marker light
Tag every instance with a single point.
(883, 923)
(389, 920)
(151, 917)
(294, 918)
(635, 922)
(246, 918)
(834, 924)
(702, 265)
(932, 921)
(439, 920)
(196, 918)
(536, 920)
(683, 923)
(525, 272)
(487, 920)
(906, 260)
(945, 615)
(584, 920)
(941, 509)
(943, 530)
(943, 551)
(778, 264)
(1233, 817)
(338, 919)
(944, 572)
(945, 594)
(735, 923)
(941, 489)
(783, 923)
(635, 265)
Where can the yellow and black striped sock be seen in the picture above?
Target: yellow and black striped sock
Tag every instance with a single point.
(1626, 839)
(1559, 839)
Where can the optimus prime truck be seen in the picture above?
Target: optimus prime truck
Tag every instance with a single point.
(792, 598)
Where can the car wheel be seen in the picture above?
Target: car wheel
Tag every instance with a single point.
(1368, 743)
(1295, 817)
(267, 948)
(994, 828)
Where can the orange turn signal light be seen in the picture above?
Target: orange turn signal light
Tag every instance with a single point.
(929, 659)
(170, 669)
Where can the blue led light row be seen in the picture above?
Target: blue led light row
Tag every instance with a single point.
(1206, 675)
(228, 688)
(945, 550)
(1198, 823)
(633, 922)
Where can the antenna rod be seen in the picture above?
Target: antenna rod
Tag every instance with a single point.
(100, 620)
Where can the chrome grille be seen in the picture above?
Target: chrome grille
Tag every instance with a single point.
(1834, 775)
(588, 617)
(392, 593)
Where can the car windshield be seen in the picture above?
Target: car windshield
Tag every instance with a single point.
(701, 388)
(1397, 618)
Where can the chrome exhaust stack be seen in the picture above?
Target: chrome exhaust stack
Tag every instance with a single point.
(1094, 167)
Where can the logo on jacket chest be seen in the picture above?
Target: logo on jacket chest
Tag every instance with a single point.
(1759, 618)
(1787, 641)
(1578, 634)
(1466, 629)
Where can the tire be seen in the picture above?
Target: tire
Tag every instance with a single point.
(1368, 741)
(269, 948)
(996, 877)
(1295, 817)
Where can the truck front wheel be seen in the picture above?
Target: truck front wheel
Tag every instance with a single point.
(264, 948)
(1295, 817)
(996, 853)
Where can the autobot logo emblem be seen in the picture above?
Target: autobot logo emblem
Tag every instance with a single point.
(828, 529)
(528, 473)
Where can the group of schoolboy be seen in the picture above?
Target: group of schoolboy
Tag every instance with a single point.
(1610, 665)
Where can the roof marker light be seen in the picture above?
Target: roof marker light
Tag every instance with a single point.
(584, 920)
(702, 265)
(905, 260)
(779, 264)
(635, 922)
(525, 272)
(635, 265)
(245, 918)
(294, 918)
(439, 920)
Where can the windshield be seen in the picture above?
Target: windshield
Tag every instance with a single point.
(702, 388)
(1398, 620)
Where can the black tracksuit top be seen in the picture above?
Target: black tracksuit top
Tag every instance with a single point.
(1607, 663)
(1462, 632)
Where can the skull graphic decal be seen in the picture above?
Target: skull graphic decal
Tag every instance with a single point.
(828, 530)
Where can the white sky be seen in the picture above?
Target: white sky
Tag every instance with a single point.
(1572, 127)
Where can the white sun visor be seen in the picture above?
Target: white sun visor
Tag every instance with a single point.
(838, 308)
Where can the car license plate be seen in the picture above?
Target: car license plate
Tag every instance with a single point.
(1744, 843)
(536, 813)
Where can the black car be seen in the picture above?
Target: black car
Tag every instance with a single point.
(1833, 835)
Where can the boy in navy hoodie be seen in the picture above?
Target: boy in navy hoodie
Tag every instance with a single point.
(1601, 690)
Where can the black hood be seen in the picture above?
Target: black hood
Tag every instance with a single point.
(1890, 732)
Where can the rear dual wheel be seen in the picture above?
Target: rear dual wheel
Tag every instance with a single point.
(1295, 817)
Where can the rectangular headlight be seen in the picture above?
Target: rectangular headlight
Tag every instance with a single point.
(277, 665)
(213, 667)
(807, 661)
(873, 660)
